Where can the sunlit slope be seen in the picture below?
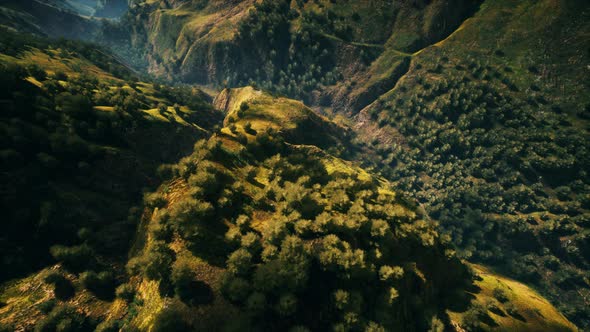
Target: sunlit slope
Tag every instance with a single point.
(502, 304)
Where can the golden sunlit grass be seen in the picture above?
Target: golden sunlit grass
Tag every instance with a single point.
(530, 311)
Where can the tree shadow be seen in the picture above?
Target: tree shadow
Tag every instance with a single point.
(473, 288)
(165, 288)
(255, 183)
(517, 315)
(488, 320)
(198, 293)
(104, 292)
(63, 289)
(496, 310)
(460, 301)
(211, 247)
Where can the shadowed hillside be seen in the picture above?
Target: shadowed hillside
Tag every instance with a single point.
(81, 138)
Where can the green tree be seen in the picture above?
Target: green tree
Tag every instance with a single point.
(158, 261)
(239, 262)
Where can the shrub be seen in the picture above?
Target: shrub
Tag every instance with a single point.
(158, 261)
(46, 306)
(256, 303)
(37, 72)
(251, 242)
(473, 317)
(239, 262)
(511, 309)
(155, 200)
(236, 289)
(101, 284)
(244, 106)
(341, 299)
(248, 129)
(165, 172)
(182, 278)
(74, 258)
(563, 193)
(125, 292)
(287, 305)
(162, 108)
(189, 215)
(60, 76)
(390, 273)
(64, 318)
(75, 105)
(108, 326)
(374, 327)
(436, 325)
(500, 294)
(251, 173)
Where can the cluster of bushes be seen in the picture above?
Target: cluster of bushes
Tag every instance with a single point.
(65, 318)
(338, 246)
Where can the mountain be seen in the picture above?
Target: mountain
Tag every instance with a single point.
(479, 113)
(295, 165)
(55, 19)
(262, 219)
(295, 48)
(91, 8)
(81, 20)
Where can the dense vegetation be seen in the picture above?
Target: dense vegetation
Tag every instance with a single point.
(292, 63)
(295, 48)
(482, 122)
(505, 176)
(65, 163)
(305, 248)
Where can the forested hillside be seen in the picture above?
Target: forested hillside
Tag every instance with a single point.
(294, 48)
(305, 165)
(81, 138)
(480, 114)
(493, 140)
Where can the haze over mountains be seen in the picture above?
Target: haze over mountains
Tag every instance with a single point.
(379, 165)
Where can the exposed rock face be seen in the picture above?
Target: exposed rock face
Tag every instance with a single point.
(198, 42)
(191, 40)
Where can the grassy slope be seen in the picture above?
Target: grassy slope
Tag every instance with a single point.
(531, 311)
(53, 61)
(180, 36)
(291, 117)
(23, 298)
